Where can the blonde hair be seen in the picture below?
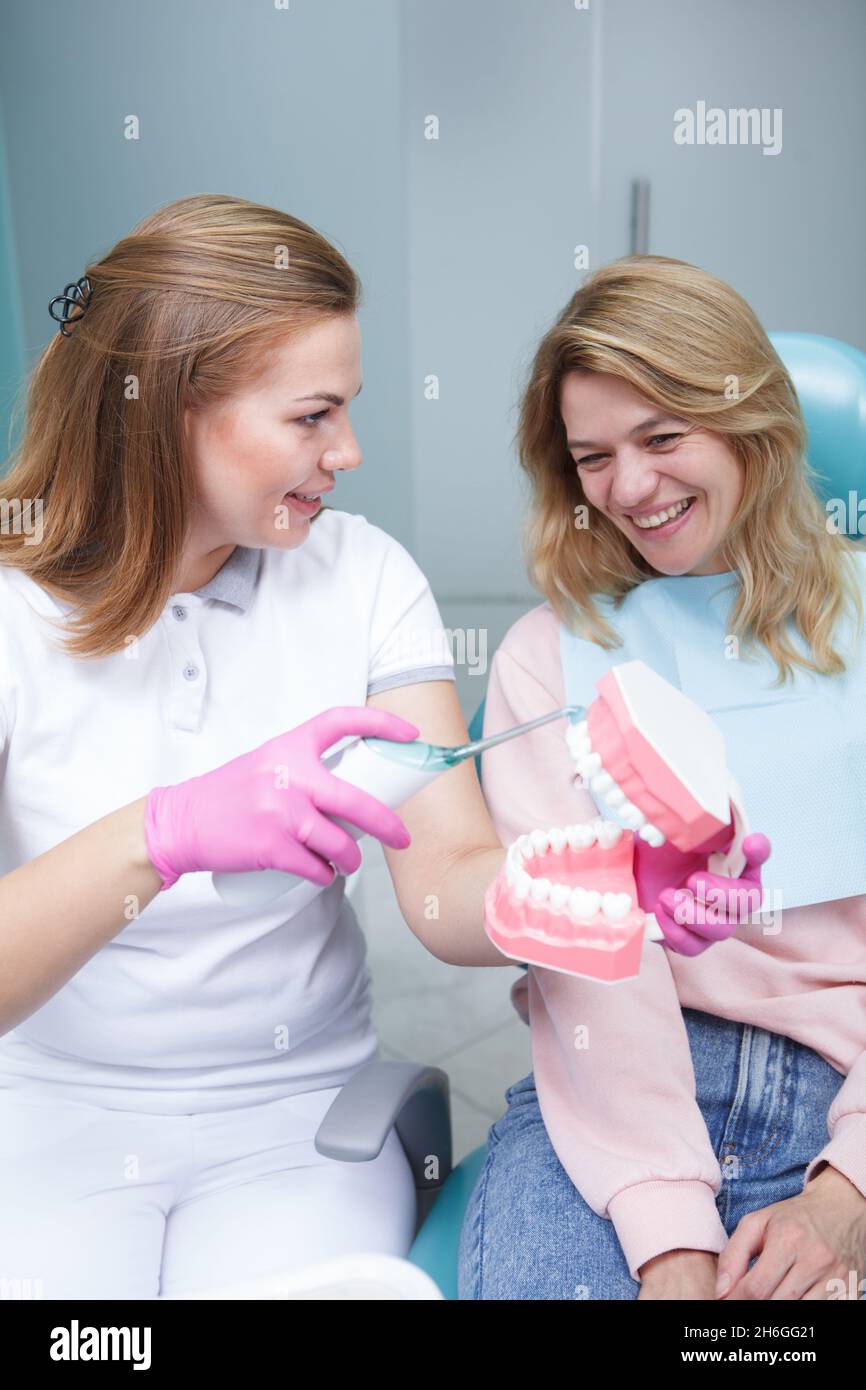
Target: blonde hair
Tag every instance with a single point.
(677, 334)
(189, 304)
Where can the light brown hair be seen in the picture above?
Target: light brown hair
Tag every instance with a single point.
(187, 307)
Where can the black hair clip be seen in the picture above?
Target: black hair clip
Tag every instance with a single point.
(75, 296)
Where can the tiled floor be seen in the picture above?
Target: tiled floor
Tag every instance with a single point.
(455, 1017)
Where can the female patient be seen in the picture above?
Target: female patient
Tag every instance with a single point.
(712, 1111)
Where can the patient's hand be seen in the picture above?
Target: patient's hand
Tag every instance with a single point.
(688, 1274)
(710, 907)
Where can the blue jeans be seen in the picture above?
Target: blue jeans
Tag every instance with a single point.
(528, 1233)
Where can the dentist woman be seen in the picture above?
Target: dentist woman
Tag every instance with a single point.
(193, 631)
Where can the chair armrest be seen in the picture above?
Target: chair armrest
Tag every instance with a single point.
(384, 1095)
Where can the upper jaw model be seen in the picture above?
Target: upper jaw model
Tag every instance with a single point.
(567, 897)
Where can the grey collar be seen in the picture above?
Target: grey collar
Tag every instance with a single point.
(235, 583)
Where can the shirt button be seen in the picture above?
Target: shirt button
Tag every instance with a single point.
(190, 672)
(179, 613)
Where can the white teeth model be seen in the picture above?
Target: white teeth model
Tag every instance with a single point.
(585, 902)
(580, 903)
(577, 737)
(559, 896)
(652, 835)
(540, 890)
(579, 836)
(594, 773)
(602, 782)
(615, 905)
(608, 833)
(521, 883)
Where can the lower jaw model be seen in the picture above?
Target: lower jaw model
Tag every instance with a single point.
(567, 899)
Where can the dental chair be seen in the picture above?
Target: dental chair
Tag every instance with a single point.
(830, 380)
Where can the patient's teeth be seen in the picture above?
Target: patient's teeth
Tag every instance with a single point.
(615, 905)
(602, 782)
(584, 902)
(580, 836)
(652, 835)
(559, 896)
(632, 815)
(540, 841)
(609, 834)
(540, 890)
(522, 884)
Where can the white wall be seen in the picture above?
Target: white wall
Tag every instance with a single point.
(785, 230)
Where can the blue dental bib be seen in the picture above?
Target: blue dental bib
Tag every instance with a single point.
(798, 751)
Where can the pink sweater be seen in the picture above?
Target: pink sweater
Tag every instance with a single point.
(621, 1113)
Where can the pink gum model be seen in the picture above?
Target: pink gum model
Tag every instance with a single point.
(567, 898)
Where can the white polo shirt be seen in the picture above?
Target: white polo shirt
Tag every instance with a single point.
(195, 1005)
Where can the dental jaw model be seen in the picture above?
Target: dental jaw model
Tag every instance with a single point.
(569, 902)
(567, 898)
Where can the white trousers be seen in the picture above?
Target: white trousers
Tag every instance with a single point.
(105, 1204)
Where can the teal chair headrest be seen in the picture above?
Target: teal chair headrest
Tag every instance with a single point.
(830, 380)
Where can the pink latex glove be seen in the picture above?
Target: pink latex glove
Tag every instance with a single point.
(269, 808)
(710, 907)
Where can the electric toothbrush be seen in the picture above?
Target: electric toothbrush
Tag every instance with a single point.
(390, 771)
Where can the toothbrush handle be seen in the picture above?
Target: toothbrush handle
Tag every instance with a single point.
(357, 763)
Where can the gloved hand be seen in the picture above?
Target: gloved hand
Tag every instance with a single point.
(709, 907)
(269, 808)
